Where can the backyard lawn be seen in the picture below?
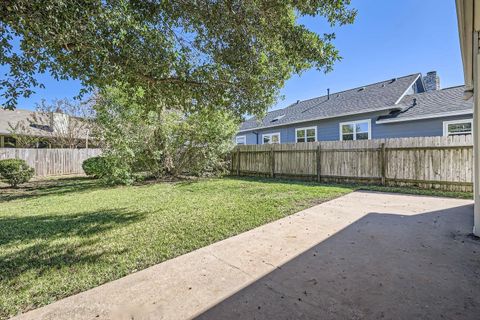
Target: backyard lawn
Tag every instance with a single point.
(60, 237)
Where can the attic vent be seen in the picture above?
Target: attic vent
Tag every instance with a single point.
(361, 89)
(277, 118)
(393, 80)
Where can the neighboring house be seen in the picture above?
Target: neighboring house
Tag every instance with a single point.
(24, 128)
(409, 106)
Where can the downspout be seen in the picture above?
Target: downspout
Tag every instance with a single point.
(476, 134)
(256, 136)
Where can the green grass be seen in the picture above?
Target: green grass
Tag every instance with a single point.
(59, 237)
(418, 191)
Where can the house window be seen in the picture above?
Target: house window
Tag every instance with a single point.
(241, 140)
(355, 130)
(306, 134)
(457, 127)
(271, 138)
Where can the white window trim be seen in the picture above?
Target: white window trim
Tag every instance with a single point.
(305, 129)
(270, 135)
(241, 137)
(369, 121)
(446, 123)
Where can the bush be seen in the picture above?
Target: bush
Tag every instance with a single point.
(158, 141)
(108, 168)
(95, 167)
(15, 171)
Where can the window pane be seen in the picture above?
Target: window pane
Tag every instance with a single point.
(266, 139)
(310, 132)
(362, 136)
(348, 137)
(240, 140)
(460, 128)
(300, 139)
(362, 127)
(300, 133)
(347, 128)
(310, 139)
(275, 138)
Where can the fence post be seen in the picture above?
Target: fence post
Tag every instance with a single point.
(272, 159)
(238, 161)
(319, 164)
(383, 163)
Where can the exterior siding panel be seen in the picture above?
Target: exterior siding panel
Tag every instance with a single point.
(328, 130)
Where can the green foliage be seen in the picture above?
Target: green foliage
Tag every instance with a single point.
(15, 171)
(158, 142)
(109, 169)
(95, 166)
(234, 55)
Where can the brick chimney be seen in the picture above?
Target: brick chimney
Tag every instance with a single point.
(431, 81)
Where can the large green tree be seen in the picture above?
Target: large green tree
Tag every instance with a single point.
(232, 54)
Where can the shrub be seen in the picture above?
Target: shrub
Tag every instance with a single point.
(108, 168)
(95, 167)
(157, 141)
(15, 171)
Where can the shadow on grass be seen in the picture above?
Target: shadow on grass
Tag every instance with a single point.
(61, 186)
(49, 227)
(49, 253)
(58, 186)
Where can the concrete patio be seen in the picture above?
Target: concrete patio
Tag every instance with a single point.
(362, 256)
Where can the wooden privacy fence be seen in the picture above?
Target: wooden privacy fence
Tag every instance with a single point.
(427, 162)
(51, 162)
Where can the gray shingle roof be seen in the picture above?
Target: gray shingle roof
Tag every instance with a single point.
(42, 127)
(374, 97)
(431, 104)
(13, 117)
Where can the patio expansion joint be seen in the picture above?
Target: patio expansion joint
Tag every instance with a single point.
(231, 265)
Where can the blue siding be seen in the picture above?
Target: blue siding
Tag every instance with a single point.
(328, 130)
(417, 128)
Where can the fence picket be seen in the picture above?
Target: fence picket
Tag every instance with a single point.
(47, 162)
(434, 162)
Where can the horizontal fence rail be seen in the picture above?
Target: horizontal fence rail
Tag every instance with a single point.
(51, 162)
(427, 162)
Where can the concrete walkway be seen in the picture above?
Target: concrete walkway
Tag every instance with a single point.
(362, 256)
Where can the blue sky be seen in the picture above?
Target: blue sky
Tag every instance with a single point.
(388, 39)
